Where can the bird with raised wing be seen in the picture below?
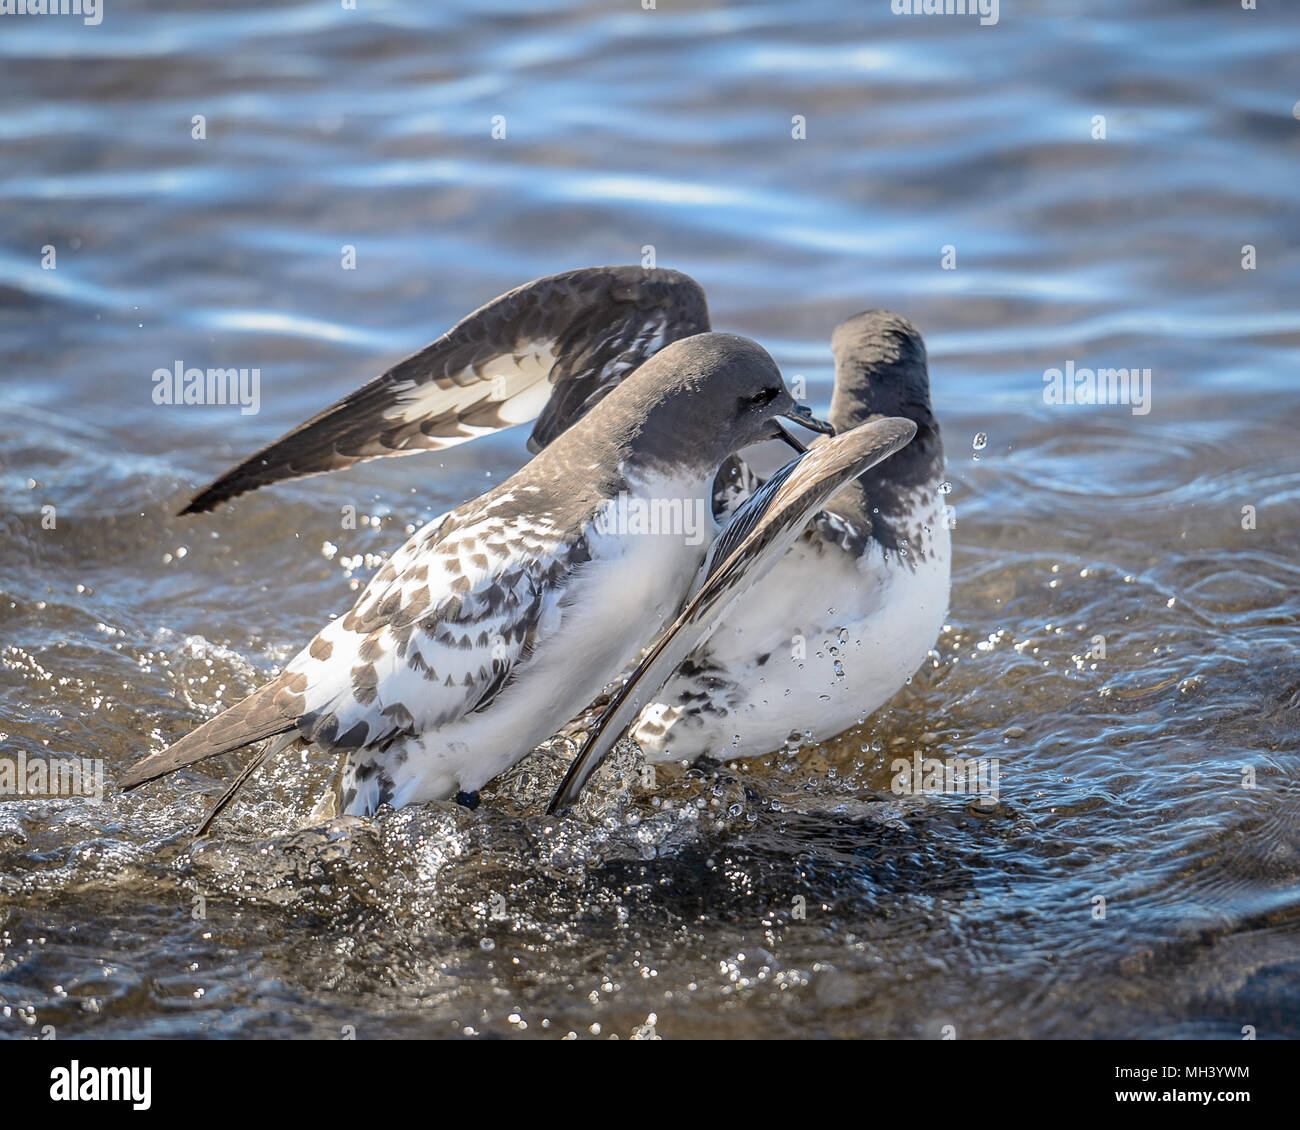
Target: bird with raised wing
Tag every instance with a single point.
(500, 620)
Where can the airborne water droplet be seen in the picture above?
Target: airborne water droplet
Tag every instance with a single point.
(980, 442)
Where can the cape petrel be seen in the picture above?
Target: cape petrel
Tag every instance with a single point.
(503, 618)
(758, 538)
(850, 611)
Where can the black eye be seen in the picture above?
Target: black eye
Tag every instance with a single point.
(760, 398)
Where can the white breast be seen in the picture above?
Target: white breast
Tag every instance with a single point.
(824, 640)
(634, 584)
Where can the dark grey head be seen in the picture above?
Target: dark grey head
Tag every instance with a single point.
(695, 402)
(881, 370)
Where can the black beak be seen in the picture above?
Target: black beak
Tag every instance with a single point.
(779, 431)
(801, 415)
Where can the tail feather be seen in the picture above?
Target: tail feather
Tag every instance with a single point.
(254, 764)
(271, 710)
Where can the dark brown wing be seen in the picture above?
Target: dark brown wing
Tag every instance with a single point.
(762, 529)
(270, 710)
(546, 351)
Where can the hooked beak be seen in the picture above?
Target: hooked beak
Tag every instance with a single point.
(803, 415)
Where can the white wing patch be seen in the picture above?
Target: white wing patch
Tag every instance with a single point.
(519, 382)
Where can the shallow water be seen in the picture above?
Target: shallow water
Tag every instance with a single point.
(788, 896)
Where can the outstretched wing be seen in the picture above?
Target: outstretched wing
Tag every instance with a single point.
(547, 350)
(762, 529)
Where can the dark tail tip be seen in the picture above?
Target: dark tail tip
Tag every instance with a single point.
(200, 504)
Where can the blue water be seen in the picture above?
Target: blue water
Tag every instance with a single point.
(628, 130)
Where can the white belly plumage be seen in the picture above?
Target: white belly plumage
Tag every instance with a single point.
(822, 641)
(631, 587)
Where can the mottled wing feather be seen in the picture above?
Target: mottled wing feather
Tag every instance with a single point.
(432, 642)
(764, 528)
(552, 347)
(745, 518)
(435, 634)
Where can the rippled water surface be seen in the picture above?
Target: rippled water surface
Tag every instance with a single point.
(788, 896)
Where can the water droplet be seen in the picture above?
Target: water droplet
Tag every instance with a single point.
(980, 442)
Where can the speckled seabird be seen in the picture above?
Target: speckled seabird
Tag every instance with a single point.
(756, 540)
(500, 620)
(852, 608)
